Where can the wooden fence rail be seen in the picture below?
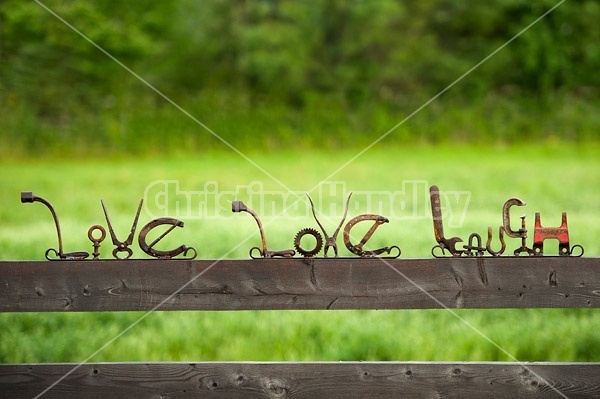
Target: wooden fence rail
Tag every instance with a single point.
(302, 380)
(134, 285)
(113, 285)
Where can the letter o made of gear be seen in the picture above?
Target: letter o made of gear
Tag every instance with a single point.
(316, 249)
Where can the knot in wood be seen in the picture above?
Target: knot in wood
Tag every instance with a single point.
(276, 388)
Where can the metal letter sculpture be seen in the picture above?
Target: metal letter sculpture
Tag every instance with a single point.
(239, 206)
(121, 246)
(29, 197)
(149, 248)
(330, 241)
(475, 248)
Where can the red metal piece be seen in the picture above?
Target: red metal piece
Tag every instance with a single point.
(561, 233)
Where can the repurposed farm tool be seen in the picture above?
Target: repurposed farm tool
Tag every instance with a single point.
(306, 252)
(488, 245)
(444, 243)
(239, 206)
(522, 232)
(561, 233)
(330, 241)
(96, 241)
(475, 247)
(357, 249)
(122, 246)
(149, 248)
(30, 197)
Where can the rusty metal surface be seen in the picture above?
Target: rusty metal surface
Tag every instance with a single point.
(474, 246)
(30, 197)
(522, 232)
(444, 243)
(488, 245)
(264, 252)
(96, 241)
(308, 253)
(122, 246)
(357, 249)
(149, 248)
(330, 241)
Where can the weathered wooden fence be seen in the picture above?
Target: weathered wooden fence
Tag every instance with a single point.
(354, 283)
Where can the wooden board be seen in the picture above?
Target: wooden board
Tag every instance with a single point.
(301, 380)
(116, 285)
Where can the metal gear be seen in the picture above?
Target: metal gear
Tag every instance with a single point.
(316, 249)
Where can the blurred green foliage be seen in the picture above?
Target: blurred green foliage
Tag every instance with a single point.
(277, 73)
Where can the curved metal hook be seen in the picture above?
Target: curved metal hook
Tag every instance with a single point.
(57, 253)
(488, 244)
(78, 255)
(185, 257)
(260, 253)
(30, 197)
(443, 254)
(388, 250)
(576, 246)
(239, 206)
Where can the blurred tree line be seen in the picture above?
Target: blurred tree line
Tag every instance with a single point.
(280, 57)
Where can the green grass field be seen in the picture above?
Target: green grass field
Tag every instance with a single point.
(551, 178)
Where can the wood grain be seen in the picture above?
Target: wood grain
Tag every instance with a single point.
(528, 282)
(302, 380)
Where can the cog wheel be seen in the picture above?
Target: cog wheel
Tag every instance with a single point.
(316, 249)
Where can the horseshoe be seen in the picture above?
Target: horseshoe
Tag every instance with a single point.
(357, 249)
(148, 248)
(488, 244)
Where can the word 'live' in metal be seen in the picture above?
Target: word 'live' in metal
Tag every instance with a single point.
(474, 247)
(120, 246)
